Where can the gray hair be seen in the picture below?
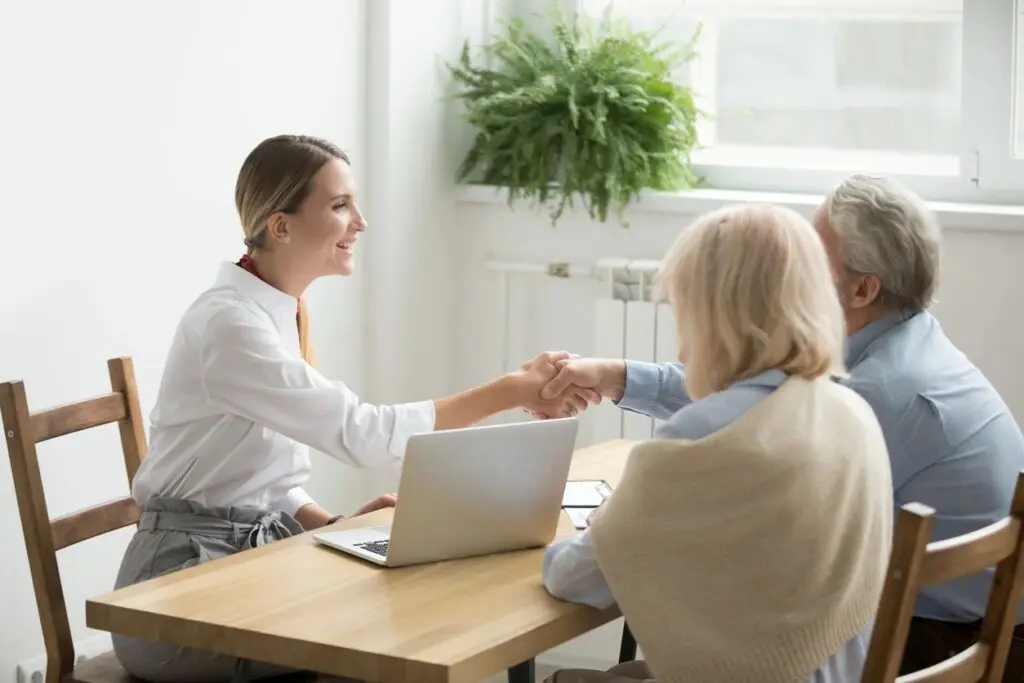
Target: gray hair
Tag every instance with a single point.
(887, 231)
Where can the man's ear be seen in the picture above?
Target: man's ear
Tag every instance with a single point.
(867, 290)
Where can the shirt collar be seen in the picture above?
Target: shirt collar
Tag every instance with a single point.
(858, 342)
(273, 300)
(767, 378)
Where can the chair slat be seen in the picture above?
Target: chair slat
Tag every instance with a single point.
(965, 667)
(971, 553)
(74, 417)
(93, 521)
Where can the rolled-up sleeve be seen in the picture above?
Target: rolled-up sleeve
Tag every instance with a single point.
(293, 501)
(654, 389)
(247, 372)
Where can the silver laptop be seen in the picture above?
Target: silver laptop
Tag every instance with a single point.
(469, 492)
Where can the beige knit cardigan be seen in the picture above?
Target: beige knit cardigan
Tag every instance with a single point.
(754, 554)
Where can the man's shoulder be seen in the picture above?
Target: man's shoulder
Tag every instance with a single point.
(915, 359)
(927, 392)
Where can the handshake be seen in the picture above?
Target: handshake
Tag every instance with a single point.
(560, 384)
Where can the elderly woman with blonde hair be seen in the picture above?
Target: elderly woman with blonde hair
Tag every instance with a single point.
(748, 540)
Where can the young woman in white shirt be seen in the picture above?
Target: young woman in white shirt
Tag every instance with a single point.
(240, 405)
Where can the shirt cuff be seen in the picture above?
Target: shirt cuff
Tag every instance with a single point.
(295, 500)
(643, 387)
(410, 419)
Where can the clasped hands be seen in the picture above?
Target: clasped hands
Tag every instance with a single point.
(560, 384)
(554, 384)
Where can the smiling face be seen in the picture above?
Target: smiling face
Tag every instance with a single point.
(296, 197)
(321, 234)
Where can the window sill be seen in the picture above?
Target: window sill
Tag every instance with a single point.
(953, 215)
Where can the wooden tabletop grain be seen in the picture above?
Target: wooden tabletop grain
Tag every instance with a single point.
(298, 604)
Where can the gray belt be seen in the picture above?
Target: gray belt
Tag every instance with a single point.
(263, 529)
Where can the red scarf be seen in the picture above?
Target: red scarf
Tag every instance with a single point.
(247, 264)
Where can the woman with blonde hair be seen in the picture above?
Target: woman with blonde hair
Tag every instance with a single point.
(748, 540)
(241, 402)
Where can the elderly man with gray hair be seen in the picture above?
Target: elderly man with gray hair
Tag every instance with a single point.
(953, 444)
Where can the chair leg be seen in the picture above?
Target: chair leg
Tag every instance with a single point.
(523, 673)
(627, 650)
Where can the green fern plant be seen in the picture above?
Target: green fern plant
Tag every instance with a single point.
(594, 114)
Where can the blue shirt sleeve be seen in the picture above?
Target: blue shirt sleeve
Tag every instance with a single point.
(571, 573)
(654, 389)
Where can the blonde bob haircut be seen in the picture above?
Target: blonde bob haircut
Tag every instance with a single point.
(751, 291)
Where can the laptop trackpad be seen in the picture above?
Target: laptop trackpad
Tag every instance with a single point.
(371, 534)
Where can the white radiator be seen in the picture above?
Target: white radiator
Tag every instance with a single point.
(627, 325)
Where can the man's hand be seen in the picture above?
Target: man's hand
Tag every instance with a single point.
(387, 500)
(537, 373)
(605, 376)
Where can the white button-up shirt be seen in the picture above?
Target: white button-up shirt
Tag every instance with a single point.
(238, 408)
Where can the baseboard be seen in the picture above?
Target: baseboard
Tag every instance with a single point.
(33, 670)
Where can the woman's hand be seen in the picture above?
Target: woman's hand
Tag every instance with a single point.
(518, 389)
(386, 500)
(536, 374)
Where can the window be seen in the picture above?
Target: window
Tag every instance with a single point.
(803, 92)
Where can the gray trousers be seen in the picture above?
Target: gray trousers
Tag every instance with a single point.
(176, 534)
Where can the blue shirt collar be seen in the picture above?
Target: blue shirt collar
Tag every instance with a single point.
(858, 342)
(768, 378)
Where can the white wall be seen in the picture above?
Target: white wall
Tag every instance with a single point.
(414, 136)
(981, 293)
(122, 128)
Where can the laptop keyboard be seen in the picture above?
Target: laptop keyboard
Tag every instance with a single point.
(375, 547)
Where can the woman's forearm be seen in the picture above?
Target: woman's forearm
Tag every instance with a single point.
(473, 405)
(312, 516)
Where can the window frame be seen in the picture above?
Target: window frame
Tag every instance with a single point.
(989, 172)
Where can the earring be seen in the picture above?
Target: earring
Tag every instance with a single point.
(287, 239)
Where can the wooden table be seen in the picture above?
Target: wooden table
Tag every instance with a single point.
(298, 604)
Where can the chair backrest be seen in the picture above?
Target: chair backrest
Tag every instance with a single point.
(44, 536)
(915, 563)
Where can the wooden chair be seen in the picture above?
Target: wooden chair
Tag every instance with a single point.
(45, 536)
(915, 563)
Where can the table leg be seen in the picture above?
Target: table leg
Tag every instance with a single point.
(627, 649)
(523, 673)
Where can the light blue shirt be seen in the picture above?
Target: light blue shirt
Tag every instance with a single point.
(571, 571)
(953, 444)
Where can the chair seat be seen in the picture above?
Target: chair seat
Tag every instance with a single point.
(103, 668)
